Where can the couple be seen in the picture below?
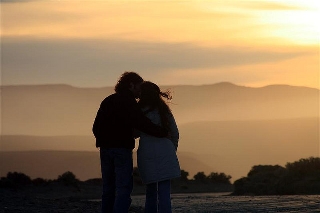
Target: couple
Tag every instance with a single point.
(116, 125)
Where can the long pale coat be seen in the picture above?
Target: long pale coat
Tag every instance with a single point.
(157, 158)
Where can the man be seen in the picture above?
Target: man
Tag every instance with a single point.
(113, 127)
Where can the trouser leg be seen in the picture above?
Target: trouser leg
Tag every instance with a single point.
(164, 196)
(124, 180)
(108, 178)
(151, 205)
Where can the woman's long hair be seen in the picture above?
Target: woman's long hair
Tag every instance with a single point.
(152, 97)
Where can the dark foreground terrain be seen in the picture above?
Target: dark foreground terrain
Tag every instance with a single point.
(53, 198)
(57, 198)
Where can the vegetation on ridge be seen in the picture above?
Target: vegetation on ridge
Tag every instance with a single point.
(299, 177)
(212, 182)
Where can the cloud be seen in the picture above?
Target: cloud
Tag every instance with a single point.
(18, 1)
(266, 5)
(84, 60)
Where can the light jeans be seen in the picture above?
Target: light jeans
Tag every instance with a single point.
(158, 197)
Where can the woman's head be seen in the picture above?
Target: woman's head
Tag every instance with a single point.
(151, 94)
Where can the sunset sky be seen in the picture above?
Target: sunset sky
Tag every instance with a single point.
(90, 43)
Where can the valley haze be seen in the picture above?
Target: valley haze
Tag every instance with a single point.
(223, 127)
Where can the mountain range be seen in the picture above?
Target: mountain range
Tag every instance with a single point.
(66, 110)
(223, 127)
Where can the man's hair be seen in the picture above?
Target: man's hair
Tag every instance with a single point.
(126, 79)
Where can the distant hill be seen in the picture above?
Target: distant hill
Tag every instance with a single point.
(44, 143)
(232, 147)
(235, 146)
(65, 110)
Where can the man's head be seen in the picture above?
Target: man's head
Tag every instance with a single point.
(129, 81)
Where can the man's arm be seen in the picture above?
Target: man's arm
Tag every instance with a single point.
(100, 120)
(97, 123)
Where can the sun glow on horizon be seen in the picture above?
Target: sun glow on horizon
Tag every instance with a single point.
(299, 26)
(274, 21)
(199, 41)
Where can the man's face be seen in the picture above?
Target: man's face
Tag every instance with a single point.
(136, 89)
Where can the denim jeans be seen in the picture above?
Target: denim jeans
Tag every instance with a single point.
(116, 169)
(158, 197)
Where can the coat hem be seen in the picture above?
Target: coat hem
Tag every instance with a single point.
(162, 179)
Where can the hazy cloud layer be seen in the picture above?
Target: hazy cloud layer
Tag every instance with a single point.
(46, 60)
(18, 1)
(266, 5)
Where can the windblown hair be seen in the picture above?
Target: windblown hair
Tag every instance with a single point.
(152, 97)
(126, 79)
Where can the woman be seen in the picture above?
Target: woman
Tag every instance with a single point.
(157, 158)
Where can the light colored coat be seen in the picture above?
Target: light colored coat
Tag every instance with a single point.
(157, 158)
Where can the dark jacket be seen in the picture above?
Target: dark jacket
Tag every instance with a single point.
(116, 119)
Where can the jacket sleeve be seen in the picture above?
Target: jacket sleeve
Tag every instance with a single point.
(173, 132)
(101, 120)
(96, 128)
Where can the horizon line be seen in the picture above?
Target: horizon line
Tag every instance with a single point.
(162, 85)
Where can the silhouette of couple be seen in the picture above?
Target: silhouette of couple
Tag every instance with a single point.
(119, 120)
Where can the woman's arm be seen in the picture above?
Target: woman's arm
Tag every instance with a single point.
(173, 131)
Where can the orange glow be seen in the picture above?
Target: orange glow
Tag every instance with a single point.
(202, 22)
(277, 24)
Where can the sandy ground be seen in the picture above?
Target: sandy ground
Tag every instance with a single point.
(47, 202)
(194, 203)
